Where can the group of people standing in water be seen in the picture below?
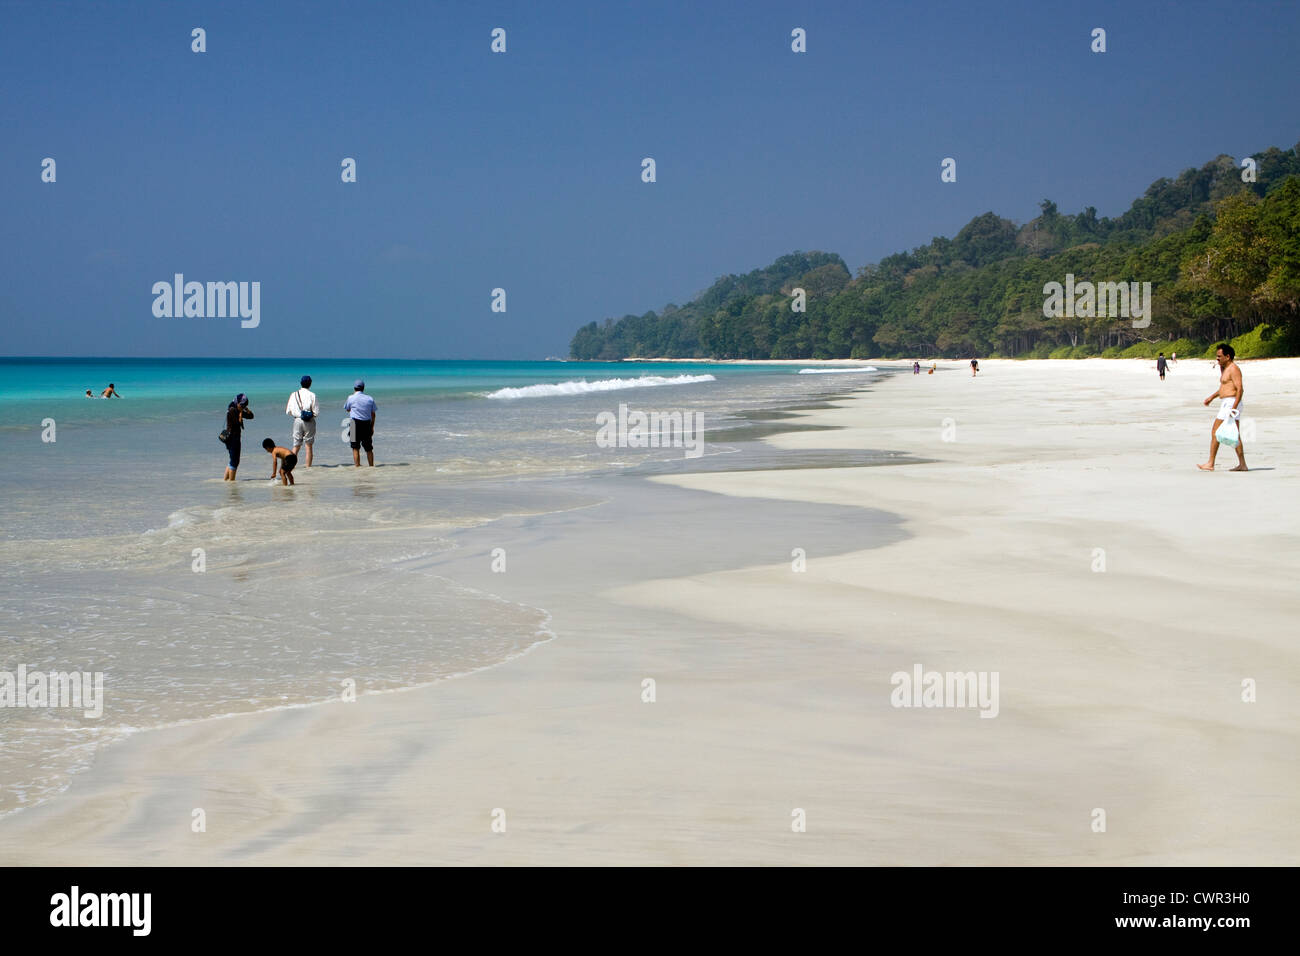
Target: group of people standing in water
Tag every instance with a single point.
(304, 408)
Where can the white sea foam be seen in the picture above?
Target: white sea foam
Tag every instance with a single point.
(833, 371)
(582, 386)
(180, 519)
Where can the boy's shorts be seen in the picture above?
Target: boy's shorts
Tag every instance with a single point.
(289, 463)
(304, 433)
(362, 434)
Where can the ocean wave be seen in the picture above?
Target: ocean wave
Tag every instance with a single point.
(582, 386)
(832, 371)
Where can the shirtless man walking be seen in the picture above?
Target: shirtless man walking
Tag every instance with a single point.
(1231, 392)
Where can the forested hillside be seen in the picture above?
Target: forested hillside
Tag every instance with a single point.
(1222, 255)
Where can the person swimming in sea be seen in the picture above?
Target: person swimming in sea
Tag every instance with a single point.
(109, 392)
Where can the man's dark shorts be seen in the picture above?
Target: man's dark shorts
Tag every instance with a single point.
(362, 435)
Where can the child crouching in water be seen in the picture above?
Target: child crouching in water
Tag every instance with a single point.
(283, 459)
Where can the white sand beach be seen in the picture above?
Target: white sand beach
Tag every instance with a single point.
(1062, 538)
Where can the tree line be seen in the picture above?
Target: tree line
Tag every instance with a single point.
(1222, 254)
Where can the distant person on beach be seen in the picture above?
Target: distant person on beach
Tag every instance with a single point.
(1230, 394)
(283, 459)
(237, 412)
(304, 409)
(1173, 358)
(109, 392)
(361, 410)
(1161, 365)
(933, 366)
(974, 367)
(916, 368)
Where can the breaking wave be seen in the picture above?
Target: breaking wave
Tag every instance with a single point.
(582, 386)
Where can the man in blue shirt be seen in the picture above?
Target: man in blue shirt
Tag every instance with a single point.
(361, 410)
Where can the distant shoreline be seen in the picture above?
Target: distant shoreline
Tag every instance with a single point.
(708, 361)
(907, 363)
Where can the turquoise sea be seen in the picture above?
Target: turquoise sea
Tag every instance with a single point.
(123, 552)
(124, 464)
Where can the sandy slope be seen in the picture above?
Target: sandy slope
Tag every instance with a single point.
(1120, 688)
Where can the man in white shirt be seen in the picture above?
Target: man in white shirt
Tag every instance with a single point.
(302, 406)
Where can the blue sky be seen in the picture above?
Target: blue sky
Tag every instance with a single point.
(522, 170)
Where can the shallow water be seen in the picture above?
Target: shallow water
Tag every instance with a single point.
(122, 552)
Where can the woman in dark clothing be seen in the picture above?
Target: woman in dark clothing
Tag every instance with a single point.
(236, 413)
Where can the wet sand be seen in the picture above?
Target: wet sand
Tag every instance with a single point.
(1044, 521)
